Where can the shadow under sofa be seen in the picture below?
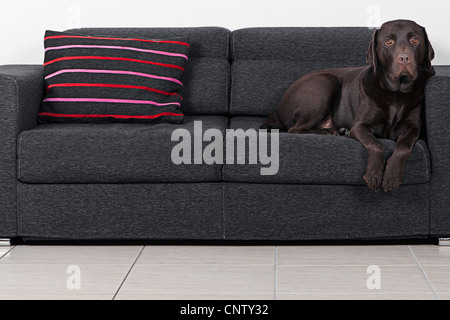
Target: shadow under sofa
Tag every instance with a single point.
(118, 182)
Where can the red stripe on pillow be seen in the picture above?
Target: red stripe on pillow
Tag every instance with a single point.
(116, 116)
(113, 58)
(105, 85)
(124, 39)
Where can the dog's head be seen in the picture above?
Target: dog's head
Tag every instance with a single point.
(400, 52)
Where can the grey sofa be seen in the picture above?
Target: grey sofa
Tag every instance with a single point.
(117, 181)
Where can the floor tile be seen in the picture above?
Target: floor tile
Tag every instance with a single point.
(54, 278)
(148, 279)
(4, 250)
(207, 255)
(350, 280)
(57, 296)
(439, 277)
(224, 272)
(344, 255)
(432, 255)
(72, 255)
(369, 296)
(194, 296)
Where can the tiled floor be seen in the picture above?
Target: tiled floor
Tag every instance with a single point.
(225, 272)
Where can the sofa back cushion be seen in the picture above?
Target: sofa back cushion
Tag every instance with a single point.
(206, 79)
(266, 61)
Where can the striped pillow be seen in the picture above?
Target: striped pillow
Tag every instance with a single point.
(106, 79)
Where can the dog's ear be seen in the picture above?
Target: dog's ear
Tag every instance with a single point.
(372, 56)
(429, 51)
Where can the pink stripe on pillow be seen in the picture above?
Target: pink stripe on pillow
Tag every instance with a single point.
(114, 72)
(165, 53)
(117, 116)
(110, 101)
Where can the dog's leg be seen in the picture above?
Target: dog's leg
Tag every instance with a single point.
(308, 104)
(395, 165)
(273, 122)
(325, 128)
(375, 163)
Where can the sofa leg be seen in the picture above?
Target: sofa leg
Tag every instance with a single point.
(5, 242)
(444, 242)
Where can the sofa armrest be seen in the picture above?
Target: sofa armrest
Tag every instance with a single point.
(437, 120)
(21, 91)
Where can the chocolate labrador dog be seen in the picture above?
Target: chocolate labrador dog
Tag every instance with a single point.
(381, 101)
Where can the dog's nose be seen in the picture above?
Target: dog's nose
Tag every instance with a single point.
(403, 58)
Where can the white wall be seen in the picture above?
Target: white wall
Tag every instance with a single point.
(23, 22)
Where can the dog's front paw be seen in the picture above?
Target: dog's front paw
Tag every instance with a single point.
(392, 177)
(374, 178)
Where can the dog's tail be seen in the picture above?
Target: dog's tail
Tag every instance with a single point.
(273, 122)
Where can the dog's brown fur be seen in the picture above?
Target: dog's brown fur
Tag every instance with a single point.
(383, 100)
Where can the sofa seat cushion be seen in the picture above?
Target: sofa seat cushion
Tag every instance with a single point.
(110, 153)
(322, 160)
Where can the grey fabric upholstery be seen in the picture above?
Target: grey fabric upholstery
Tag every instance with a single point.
(304, 45)
(110, 153)
(266, 61)
(250, 212)
(437, 114)
(319, 159)
(205, 42)
(21, 89)
(308, 212)
(117, 181)
(121, 211)
(206, 78)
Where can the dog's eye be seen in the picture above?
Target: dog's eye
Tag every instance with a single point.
(389, 42)
(415, 40)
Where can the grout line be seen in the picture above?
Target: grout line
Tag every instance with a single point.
(275, 275)
(128, 273)
(423, 272)
(3, 255)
